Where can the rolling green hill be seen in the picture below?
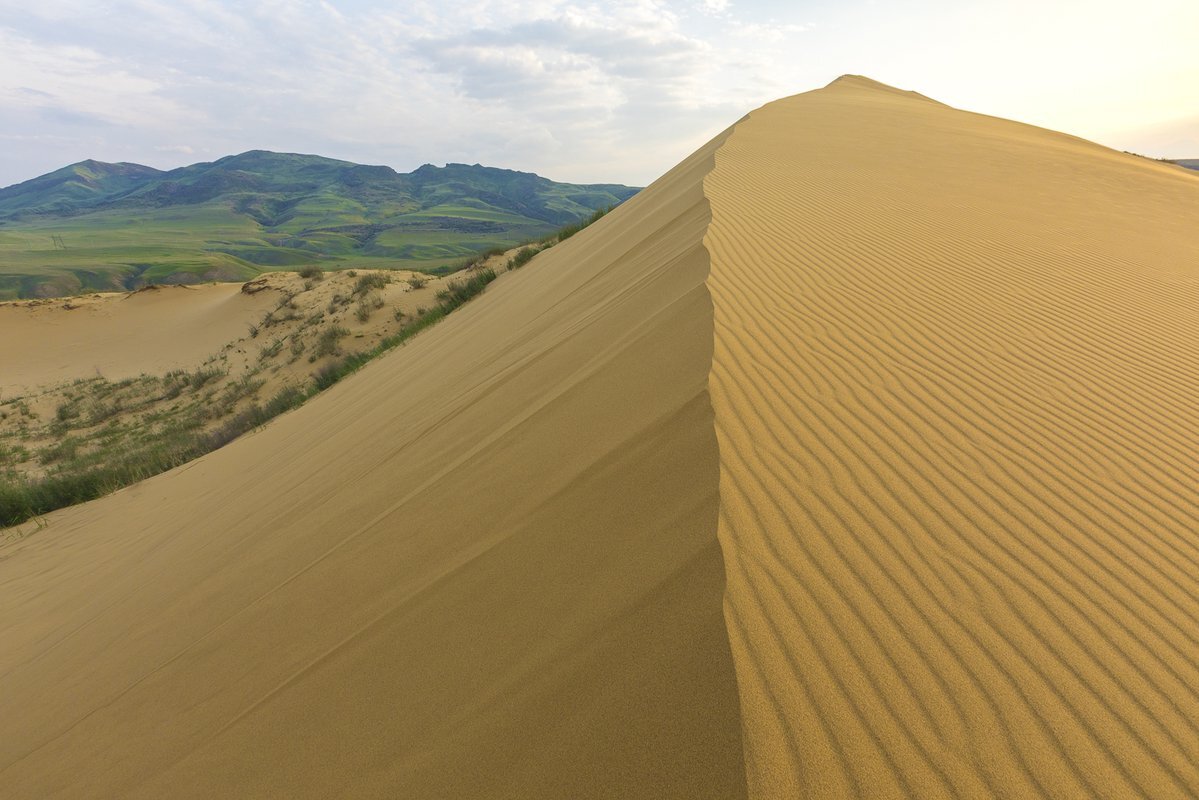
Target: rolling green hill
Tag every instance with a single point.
(95, 226)
(69, 188)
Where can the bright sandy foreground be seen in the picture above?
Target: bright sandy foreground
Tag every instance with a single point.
(854, 457)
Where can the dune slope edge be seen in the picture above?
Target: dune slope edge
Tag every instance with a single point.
(485, 566)
(955, 374)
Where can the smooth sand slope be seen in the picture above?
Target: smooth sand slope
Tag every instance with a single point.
(912, 391)
(485, 566)
(956, 387)
(119, 335)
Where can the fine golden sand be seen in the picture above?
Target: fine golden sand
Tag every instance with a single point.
(856, 457)
(956, 388)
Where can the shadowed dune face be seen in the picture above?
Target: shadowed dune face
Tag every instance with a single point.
(955, 377)
(486, 566)
(865, 437)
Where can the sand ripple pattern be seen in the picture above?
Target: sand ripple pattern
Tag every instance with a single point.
(956, 388)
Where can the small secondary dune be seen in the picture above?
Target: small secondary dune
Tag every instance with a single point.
(854, 458)
(119, 336)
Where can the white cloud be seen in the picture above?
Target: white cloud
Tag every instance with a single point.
(767, 32)
(574, 89)
(76, 80)
(569, 88)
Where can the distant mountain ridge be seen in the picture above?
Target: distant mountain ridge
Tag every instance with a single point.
(96, 225)
(96, 185)
(74, 186)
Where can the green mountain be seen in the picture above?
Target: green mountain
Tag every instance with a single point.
(69, 188)
(108, 226)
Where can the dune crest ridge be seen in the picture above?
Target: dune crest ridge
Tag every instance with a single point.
(954, 378)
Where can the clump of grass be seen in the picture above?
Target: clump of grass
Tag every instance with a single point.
(64, 450)
(234, 391)
(523, 256)
(203, 376)
(330, 374)
(271, 350)
(418, 282)
(312, 272)
(13, 454)
(327, 342)
(99, 411)
(568, 231)
(174, 382)
(67, 411)
(368, 304)
(376, 280)
(456, 293)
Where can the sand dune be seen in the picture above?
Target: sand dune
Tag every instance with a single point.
(853, 458)
(955, 382)
(485, 566)
(119, 335)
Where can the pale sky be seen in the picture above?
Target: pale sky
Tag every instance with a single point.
(575, 91)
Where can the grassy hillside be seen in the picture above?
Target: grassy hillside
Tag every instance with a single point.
(75, 186)
(117, 226)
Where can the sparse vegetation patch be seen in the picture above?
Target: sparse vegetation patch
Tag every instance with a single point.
(454, 295)
(375, 280)
(99, 435)
(523, 256)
